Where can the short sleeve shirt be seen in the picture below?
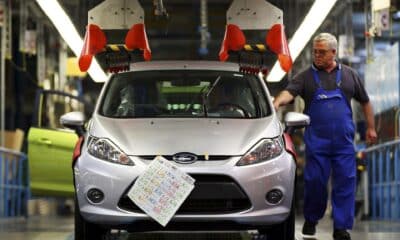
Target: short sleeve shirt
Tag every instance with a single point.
(304, 85)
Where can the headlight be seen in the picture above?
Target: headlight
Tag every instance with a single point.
(104, 149)
(265, 150)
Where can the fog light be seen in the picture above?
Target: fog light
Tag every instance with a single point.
(274, 196)
(95, 195)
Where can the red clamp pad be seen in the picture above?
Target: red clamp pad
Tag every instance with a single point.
(77, 150)
(289, 145)
(94, 42)
(234, 40)
(136, 38)
(277, 43)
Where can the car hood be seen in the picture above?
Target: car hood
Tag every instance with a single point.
(199, 136)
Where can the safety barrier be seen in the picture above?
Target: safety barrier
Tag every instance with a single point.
(382, 183)
(14, 185)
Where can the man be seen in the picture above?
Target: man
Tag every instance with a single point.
(327, 88)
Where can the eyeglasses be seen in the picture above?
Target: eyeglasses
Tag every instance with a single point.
(321, 51)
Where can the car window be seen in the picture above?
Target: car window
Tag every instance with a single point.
(187, 93)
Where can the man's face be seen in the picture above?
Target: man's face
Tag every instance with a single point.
(323, 55)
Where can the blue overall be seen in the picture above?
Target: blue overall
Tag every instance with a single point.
(330, 149)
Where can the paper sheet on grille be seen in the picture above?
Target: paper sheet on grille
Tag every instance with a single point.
(161, 190)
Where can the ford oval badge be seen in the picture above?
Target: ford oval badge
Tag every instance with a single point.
(184, 158)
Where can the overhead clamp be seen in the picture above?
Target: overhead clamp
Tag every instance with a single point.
(255, 58)
(115, 57)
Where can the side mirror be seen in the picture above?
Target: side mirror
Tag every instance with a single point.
(75, 121)
(295, 120)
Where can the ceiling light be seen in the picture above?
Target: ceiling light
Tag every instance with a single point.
(317, 14)
(68, 32)
(396, 15)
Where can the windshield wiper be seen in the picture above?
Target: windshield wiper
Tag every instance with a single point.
(206, 94)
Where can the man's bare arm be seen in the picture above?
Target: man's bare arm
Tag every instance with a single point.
(369, 117)
(283, 98)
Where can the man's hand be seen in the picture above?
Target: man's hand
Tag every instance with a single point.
(276, 105)
(371, 136)
(283, 98)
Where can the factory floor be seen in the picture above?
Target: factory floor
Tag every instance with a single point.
(62, 227)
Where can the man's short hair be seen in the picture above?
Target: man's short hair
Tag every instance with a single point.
(326, 37)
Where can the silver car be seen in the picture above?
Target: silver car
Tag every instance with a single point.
(215, 123)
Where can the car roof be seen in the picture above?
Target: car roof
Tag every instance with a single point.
(181, 64)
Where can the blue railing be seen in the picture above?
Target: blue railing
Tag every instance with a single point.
(14, 185)
(383, 180)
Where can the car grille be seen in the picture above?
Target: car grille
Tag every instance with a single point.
(199, 157)
(212, 194)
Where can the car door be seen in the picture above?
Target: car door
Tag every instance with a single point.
(50, 146)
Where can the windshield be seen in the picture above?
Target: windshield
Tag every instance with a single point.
(184, 93)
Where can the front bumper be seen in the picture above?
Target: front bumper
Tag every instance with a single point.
(255, 181)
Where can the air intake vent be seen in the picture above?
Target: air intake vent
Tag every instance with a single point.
(213, 194)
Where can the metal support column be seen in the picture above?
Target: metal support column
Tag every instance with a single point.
(41, 54)
(369, 40)
(365, 184)
(203, 50)
(3, 76)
